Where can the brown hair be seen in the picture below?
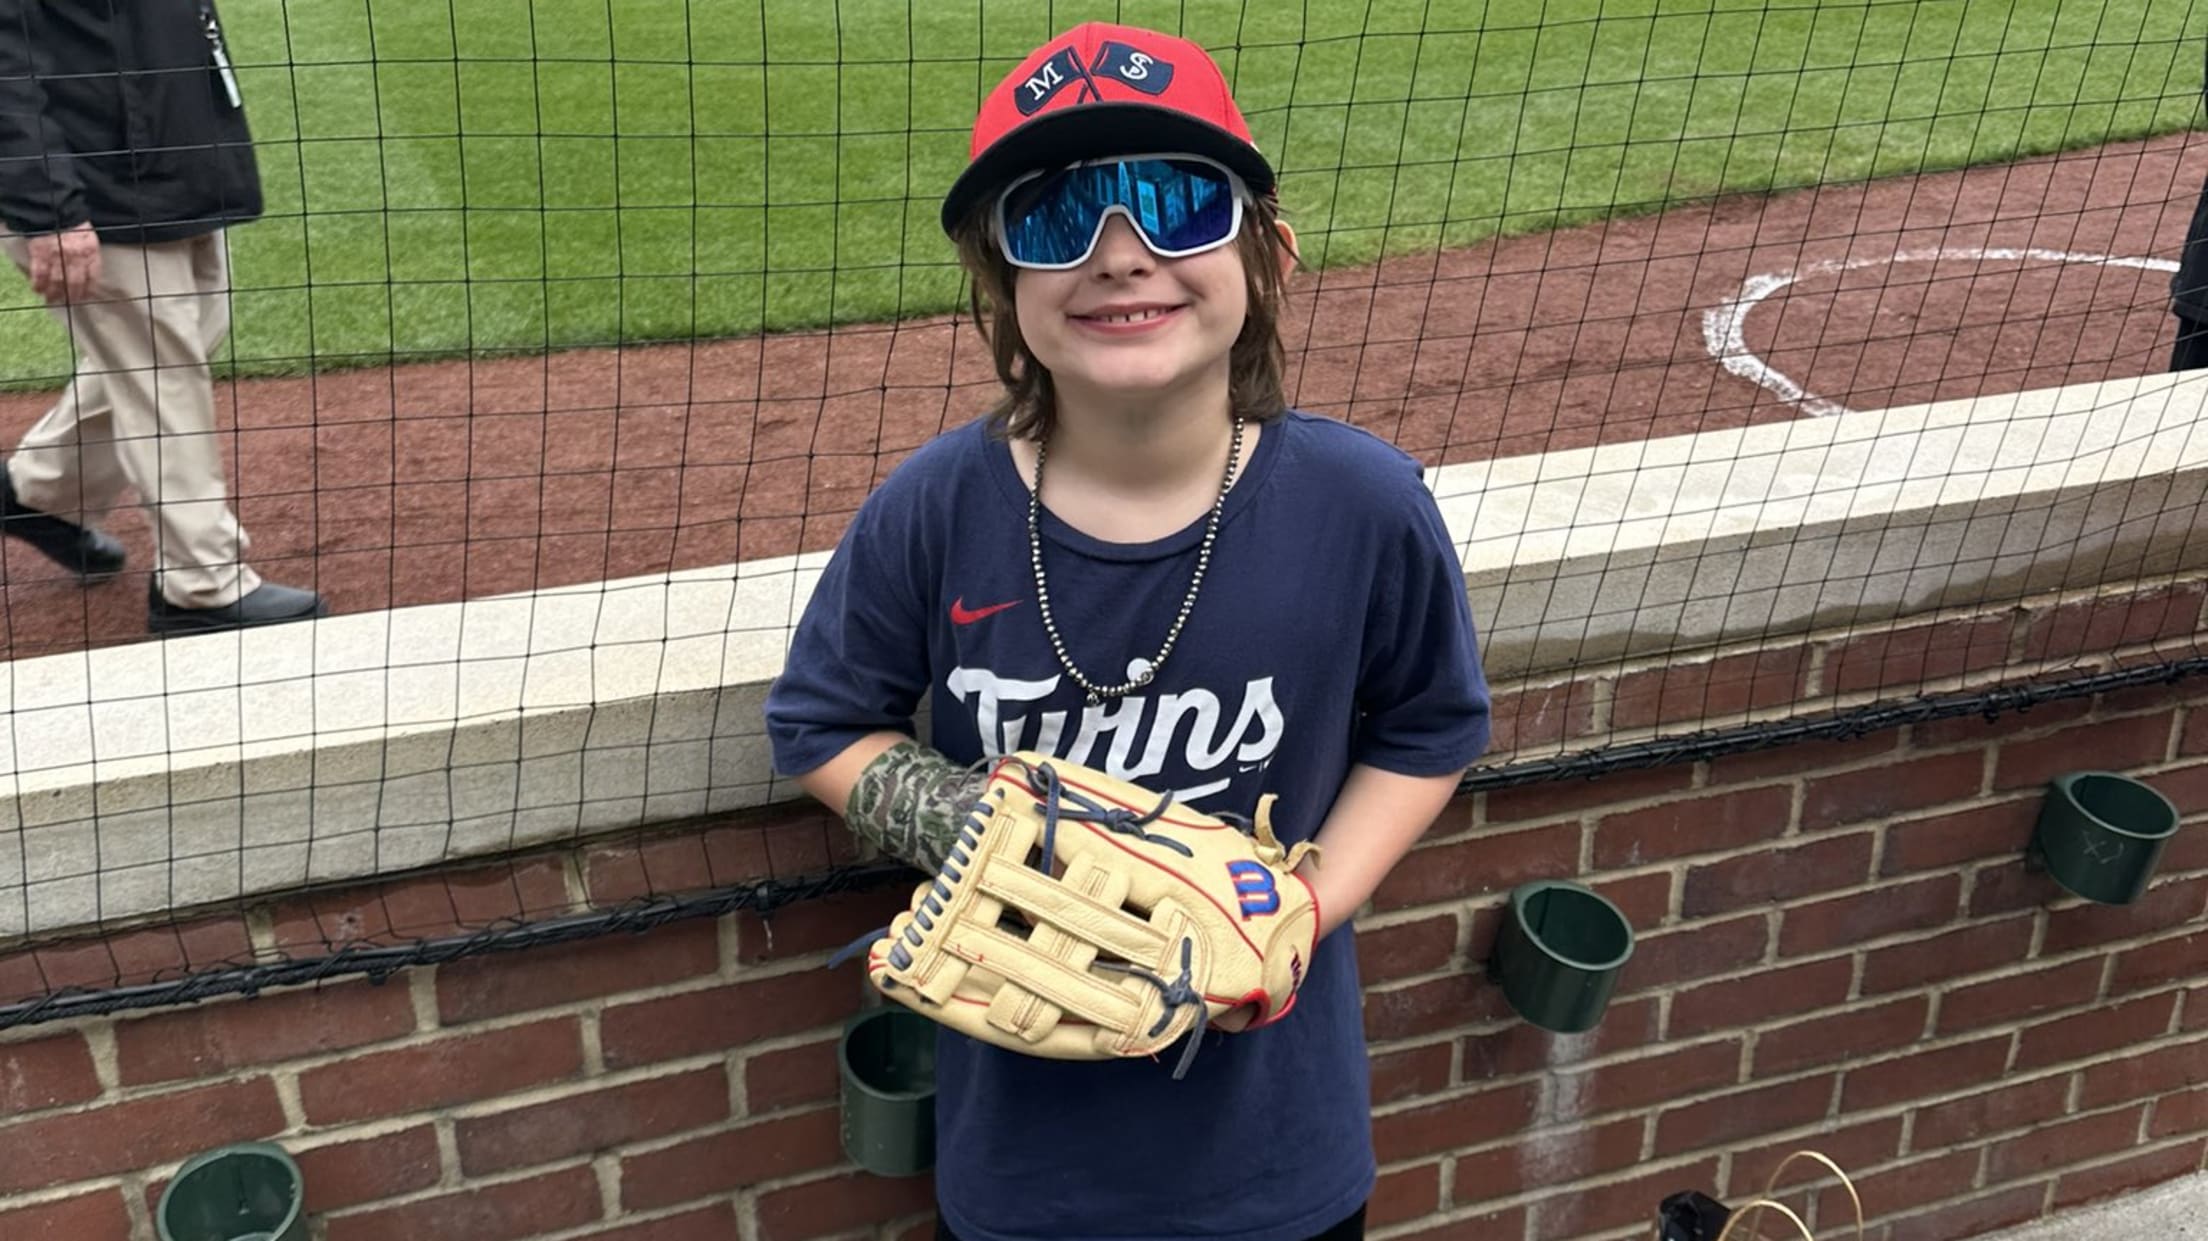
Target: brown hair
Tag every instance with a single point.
(1256, 362)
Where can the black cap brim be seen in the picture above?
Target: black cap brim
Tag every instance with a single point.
(1098, 131)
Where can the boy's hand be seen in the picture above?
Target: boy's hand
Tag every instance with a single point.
(65, 266)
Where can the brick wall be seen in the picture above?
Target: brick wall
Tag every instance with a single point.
(1838, 946)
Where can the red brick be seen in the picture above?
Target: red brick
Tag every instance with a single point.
(723, 1017)
(1527, 1048)
(592, 1122)
(1628, 1085)
(1712, 823)
(2187, 789)
(128, 1136)
(1973, 1216)
(2140, 1171)
(1863, 1144)
(1743, 1114)
(1560, 798)
(344, 1174)
(126, 958)
(1599, 1209)
(2161, 962)
(1775, 874)
(1709, 691)
(503, 983)
(1957, 954)
(1924, 1074)
(2165, 1070)
(1883, 792)
(2009, 887)
(1409, 1073)
(441, 904)
(1697, 951)
(2104, 1030)
(716, 1222)
(1891, 909)
(442, 1073)
(1977, 730)
(1847, 1035)
(1645, 900)
(2003, 1109)
(790, 838)
(802, 928)
(1385, 954)
(1455, 1123)
(1548, 1156)
(2109, 745)
(2165, 906)
(210, 1040)
(1540, 717)
(1422, 1008)
(839, 1203)
(1902, 659)
(95, 1216)
(550, 1203)
(732, 1159)
(1943, 840)
(1737, 1003)
(2196, 1009)
(1480, 864)
(1921, 1178)
(2100, 625)
(1797, 757)
(2193, 738)
(1508, 1222)
(2186, 1112)
(1404, 1194)
(791, 1076)
(2078, 1140)
(1977, 1005)
(39, 1073)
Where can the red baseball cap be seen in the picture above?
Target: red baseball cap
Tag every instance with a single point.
(1100, 90)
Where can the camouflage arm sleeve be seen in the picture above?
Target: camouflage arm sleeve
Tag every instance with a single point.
(910, 802)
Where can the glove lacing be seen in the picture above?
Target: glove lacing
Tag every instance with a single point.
(1052, 793)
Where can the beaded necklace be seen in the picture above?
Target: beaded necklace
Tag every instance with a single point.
(1147, 670)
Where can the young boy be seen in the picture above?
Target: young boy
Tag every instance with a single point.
(1141, 561)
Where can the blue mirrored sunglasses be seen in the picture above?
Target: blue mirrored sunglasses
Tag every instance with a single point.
(1179, 205)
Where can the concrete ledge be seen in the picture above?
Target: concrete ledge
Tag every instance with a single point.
(1640, 549)
(163, 775)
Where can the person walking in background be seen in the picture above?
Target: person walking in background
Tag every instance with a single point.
(124, 158)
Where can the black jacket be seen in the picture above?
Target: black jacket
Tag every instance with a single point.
(115, 111)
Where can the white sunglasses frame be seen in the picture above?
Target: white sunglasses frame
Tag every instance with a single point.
(1239, 191)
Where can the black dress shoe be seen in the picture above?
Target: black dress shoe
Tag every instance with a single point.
(93, 555)
(269, 605)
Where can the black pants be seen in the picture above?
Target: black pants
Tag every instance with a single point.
(1351, 1229)
(2191, 351)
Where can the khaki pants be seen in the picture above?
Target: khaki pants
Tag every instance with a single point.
(140, 412)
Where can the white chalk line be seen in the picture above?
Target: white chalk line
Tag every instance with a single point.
(1725, 326)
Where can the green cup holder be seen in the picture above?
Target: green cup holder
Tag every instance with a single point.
(2101, 834)
(248, 1192)
(887, 1063)
(1558, 954)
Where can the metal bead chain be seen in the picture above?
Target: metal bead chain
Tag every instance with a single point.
(1098, 693)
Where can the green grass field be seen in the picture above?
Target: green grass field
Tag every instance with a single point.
(447, 176)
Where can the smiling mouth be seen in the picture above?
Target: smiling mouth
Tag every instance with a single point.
(1138, 316)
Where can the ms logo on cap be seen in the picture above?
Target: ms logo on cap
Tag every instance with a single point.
(1138, 69)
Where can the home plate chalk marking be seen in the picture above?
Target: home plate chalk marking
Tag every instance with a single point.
(1725, 326)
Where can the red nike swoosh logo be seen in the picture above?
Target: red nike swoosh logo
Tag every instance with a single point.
(963, 615)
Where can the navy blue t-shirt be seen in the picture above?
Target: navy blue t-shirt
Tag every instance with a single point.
(1332, 629)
